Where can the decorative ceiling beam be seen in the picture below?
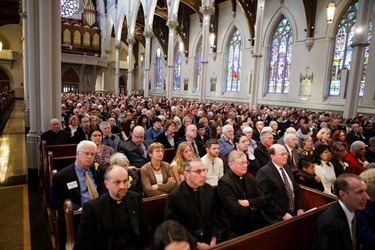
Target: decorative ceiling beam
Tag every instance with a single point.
(310, 13)
(183, 28)
(161, 32)
(249, 8)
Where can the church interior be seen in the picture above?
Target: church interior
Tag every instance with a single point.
(277, 53)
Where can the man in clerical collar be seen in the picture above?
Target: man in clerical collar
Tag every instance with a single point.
(192, 204)
(116, 219)
(241, 198)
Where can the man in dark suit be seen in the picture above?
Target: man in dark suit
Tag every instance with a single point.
(109, 139)
(192, 204)
(136, 148)
(241, 198)
(83, 130)
(290, 141)
(115, 220)
(257, 130)
(55, 135)
(261, 151)
(72, 183)
(336, 226)
(190, 137)
(276, 181)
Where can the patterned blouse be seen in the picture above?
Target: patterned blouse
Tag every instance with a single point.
(102, 158)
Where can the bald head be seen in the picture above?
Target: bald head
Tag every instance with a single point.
(191, 132)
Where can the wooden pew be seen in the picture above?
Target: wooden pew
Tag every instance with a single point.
(295, 234)
(154, 209)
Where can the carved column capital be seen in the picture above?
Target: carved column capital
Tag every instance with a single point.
(118, 45)
(130, 41)
(148, 34)
(207, 10)
(172, 24)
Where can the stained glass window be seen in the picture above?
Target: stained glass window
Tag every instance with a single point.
(281, 54)
(68, 8)
(158, 72)
(234, 62)
(177, 70)
(343, 50)
(198, 66)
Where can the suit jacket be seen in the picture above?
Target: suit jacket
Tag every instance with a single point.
(79, 135)
(202, 223)
(131, 150)
(96, 228)
(200, 146)
(237, 218)
(273, 187)
(148, 179)
(60, 192)
(256, 135)
(52, 138)
(332, 230)
(162, 138)
(261, 154)
(112, 141)
(296, 158)
(225, 146)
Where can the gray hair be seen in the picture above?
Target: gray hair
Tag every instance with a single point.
(85, 143)
(247, 129)
(187, 164)
(226, 127)
(290, 130)
(264, 134)
(118, 158)
(368, 177)
(355, 145)
(234, 154)
(103, 123)
(289, 136)
(371, 141)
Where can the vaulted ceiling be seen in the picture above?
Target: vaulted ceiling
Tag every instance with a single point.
(9, 12)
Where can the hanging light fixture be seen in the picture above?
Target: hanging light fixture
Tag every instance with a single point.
(212, 40)
(1, 46)
(158, 52)
(181, 47)
(331, 7)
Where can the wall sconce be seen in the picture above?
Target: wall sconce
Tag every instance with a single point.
(331, 7)
(212, 40)
(1, 46)
(158, 51)
(127, 58)
(141, 57)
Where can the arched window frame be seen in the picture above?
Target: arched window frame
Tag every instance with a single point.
(197, 65)
(177, 69)
(158, 72)
(233, 62)
(280, 54)
(342, 51)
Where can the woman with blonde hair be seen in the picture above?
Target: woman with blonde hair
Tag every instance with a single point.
(323, 137)
(183, 153)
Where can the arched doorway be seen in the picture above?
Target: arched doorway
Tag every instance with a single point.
(122, 85)
(70, 81)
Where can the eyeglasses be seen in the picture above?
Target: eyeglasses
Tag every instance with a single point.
(138, 136)
(96, 135)
(199, 171)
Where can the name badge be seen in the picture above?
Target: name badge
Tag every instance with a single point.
(72, 185)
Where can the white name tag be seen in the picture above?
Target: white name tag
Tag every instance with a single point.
(72, 185)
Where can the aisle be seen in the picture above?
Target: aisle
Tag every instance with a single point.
(14, 204)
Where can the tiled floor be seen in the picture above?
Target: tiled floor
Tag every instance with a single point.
(13, 177)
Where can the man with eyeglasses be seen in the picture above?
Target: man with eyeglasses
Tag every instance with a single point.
(136, 148)
(241, 198)
(192, 204)
(79, 182)
(276, 181)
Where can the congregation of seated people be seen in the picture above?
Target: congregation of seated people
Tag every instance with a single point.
(259, 150)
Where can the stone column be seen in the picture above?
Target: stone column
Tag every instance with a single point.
(25, 69)
(356, 65)
(148, 35)
(170, 61)
(32, 57)
(129, 86)
(117, 67)
(207, 10)
(257, 54)
(55, 58)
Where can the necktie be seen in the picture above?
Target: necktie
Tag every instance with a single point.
(354, 227)
(195, 149)
(294, 167)
(289, 190)
(142, 151)
(90, 187)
